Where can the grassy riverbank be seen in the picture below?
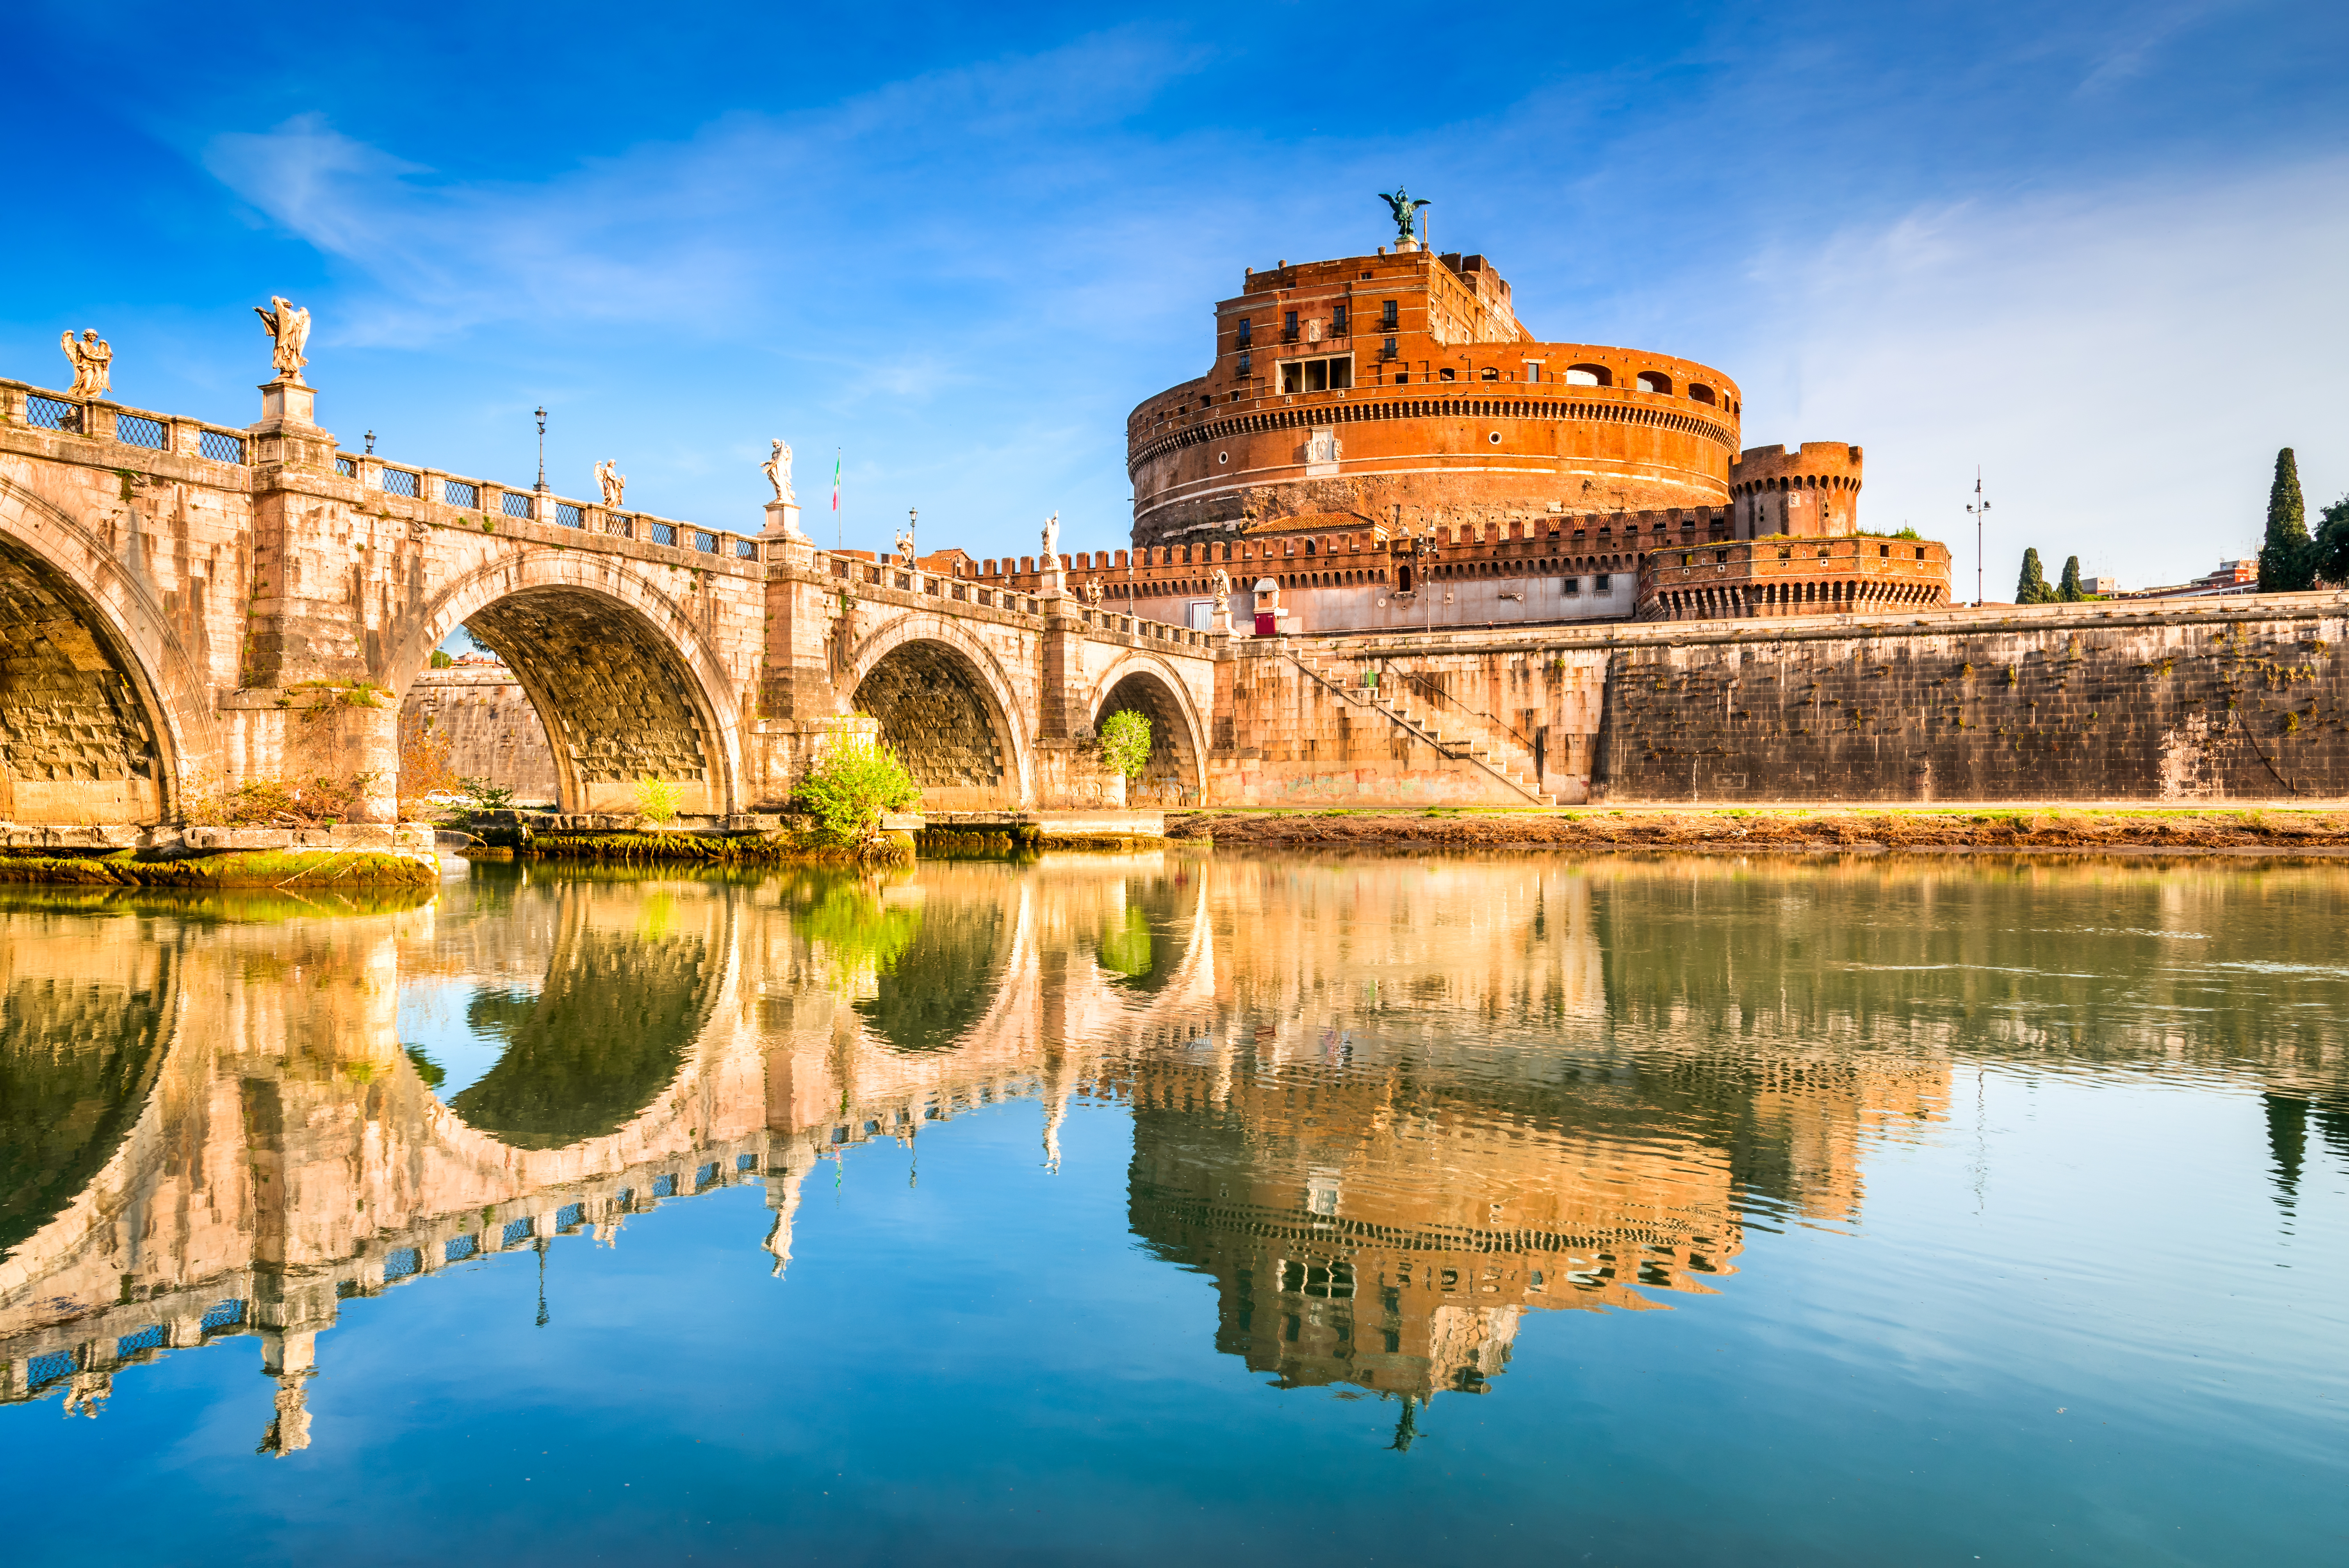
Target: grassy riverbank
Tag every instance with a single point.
(1793, 828)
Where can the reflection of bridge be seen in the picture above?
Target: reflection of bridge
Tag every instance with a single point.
(188, 601)
(361, 1178)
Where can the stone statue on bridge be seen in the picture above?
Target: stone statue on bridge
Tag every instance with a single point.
(93, 362)
(1092, 590)
(1051, 542)
(289, 333)
(1219, 588)
(614, 483)
(778, 469)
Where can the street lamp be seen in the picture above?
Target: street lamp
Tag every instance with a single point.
(542, 449)
(1980, 510)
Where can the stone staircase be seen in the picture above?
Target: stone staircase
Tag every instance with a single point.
(1456, 735)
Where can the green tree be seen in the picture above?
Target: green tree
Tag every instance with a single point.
(2288, 557)
(1126, 742)
(2031, 588)
(2070, 591)
(441, 659)
(853, 783)
(2332, 548)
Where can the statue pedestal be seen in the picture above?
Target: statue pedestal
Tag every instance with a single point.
(784, 520)
(287, 401)
(1220, 622)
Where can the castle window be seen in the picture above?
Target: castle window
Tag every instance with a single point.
(1387, 317)
(1603, 583)
(1699, 392)
(1244, 333)
(1246, 361)
(1317, 374)
(1590, 375)
(1288, 326)
(1489, 373)
(1402, 578)
(1884, 549)
(1338, 321)
(1447, 373)
(1652, 381)
(1920, 552)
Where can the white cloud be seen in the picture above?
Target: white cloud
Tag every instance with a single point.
(2123, 363)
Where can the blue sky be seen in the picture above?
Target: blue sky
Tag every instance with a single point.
(2098, 248)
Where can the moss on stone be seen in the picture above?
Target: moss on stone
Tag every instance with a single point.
(305, 871)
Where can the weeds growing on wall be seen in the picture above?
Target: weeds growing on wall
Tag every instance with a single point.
(853, 785)
(319, 801)
(657, 799)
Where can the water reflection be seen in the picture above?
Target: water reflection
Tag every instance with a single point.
(1386, 1108)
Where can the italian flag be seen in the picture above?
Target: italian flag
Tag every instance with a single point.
(836, 481)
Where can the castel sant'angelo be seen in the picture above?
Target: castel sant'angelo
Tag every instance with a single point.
(1397, 396)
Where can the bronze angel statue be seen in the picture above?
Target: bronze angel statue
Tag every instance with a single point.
(1405, 212)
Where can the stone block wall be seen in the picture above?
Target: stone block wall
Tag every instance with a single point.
(493, 731)
(1286, 732)
(2236, 700)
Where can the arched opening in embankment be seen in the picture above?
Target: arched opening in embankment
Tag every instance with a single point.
(939, 715)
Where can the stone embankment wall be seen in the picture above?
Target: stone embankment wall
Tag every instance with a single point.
(2238, 699)
(2061, 702)
(493, 731)
(1338, 721)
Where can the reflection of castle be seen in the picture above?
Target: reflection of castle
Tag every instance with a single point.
(1388, 1106)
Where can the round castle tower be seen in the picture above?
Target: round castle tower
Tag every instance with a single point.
(1810, 494)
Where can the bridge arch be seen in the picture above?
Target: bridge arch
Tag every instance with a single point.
(103, 716)
(1142, 681)
(621, 675)
(948, 709)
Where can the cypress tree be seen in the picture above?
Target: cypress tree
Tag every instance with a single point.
(2070, 592)
(2031, 588)
(2287, 559)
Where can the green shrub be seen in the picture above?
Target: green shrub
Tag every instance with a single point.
(853, 783)
(657, 801)
(1126, 742)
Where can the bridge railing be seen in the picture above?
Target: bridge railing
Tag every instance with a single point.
(28, 406)
(890, 572)
(1141, 626)
(491, 500)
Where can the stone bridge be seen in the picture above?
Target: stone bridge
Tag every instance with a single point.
(184, 606)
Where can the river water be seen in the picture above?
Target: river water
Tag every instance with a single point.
(1171, 1209)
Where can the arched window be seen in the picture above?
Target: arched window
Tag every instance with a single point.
(1590, 375)
(1654, 381)
(1699, 392)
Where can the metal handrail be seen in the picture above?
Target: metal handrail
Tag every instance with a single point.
(1422, 683)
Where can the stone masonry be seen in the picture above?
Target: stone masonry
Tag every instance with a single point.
(185, 605)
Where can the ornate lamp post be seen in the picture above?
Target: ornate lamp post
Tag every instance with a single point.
(1980, 510)
(542, 449)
